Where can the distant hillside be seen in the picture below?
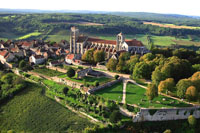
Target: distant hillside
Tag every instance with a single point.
(162, 18)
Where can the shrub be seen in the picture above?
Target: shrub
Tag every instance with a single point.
(96, 83)
(80, 67)
(167, 131)
(65, 90)
(192, 120)
(70, 72)
(115, 116)
(116, 77)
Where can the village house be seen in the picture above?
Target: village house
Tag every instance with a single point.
(6, 56)
(37, 59)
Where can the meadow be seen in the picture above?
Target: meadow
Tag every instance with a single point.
(33, 34)
(31, 111)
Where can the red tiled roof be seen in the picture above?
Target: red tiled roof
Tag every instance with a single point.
(3, 53)
(13, 49)
(134, 42)
(27, 44)
(101, 41)
(70, 56)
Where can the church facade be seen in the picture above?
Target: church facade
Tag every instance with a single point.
(79, 44)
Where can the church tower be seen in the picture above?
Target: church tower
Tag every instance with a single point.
(120, 41)
(73, 38)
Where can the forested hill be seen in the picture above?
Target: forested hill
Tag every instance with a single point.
(162, 18)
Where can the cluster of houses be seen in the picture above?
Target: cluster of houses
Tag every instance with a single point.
(38, 51)
(35, 51)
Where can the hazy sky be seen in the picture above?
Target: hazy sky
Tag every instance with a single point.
(187, 7)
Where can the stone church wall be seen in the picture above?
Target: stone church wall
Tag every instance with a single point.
(166, 114)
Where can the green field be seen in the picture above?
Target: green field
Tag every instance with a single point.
(35, 34)
(114, 92)
(136, 95)
(31, 111)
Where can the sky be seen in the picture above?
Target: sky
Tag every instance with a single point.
(185, 7)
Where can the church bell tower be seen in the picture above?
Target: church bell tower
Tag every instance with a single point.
(120, 41)
(74, 33)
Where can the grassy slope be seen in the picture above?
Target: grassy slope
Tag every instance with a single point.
(35, 34)
(31, 111)
(113, 93)
(135, 94)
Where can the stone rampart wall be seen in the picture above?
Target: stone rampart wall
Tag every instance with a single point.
(166, 114)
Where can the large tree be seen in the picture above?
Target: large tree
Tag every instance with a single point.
(166, 85)
(88, 56)
(142, 70)
(191, 93)
(111, 65)
(99, 55)
(151, 91)
(182, 86)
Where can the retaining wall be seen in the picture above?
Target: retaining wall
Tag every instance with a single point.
(166, 114)
(104, 86)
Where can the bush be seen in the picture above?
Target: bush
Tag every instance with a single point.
(167, 131)
(65, 90)
(192, 120)
(116, 77)
(70, 72)
(80, 67)
(96, 83)
(115, 116)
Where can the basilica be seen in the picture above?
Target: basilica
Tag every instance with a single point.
(79, 44)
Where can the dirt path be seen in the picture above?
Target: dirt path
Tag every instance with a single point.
(124, 91)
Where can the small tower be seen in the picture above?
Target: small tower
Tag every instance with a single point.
(73, 38)
(120, 40)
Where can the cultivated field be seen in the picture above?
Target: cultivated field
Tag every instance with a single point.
(171, 25)
(31, 111)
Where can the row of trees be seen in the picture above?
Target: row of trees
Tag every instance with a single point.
(94, 56)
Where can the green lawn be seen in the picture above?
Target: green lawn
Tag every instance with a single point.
(136, 95)
(47, 72)
(31, 111)
(114, 92)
